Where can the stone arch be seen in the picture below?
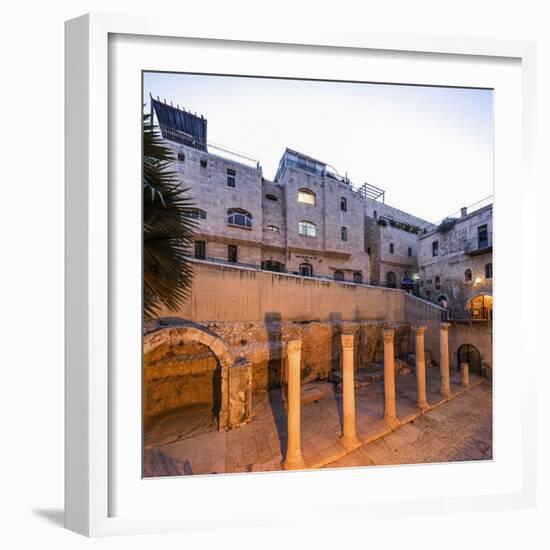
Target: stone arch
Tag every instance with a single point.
(181, 331)
(477, 294)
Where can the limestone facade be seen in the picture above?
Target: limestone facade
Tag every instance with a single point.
(455, 259)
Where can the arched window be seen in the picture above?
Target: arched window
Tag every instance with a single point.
(271, 197)
(307, 229)
(237, 216)
(306, 270)
(357, 277)
(196, 213)
(272, 228)
(468, 275)
(481, 307)
(338, 276)
(306, 196)
(488, 271)
(390, 279)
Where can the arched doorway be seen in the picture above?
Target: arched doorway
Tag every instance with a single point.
(338, 275)
(187, 375)
(358, 277)
(306, 270)
(391, 280)
(467, 353)
(480, 307)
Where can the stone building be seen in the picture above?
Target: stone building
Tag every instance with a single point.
(455, 263)
(309, 221)
(308, 257)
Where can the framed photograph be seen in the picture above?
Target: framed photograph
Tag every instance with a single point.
(311, 304)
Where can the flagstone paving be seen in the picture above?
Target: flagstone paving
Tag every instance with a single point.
(460, 430)
(451, 430)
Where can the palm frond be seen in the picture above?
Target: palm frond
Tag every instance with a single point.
(168, 229)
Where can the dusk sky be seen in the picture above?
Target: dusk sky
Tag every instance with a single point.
(430, 148)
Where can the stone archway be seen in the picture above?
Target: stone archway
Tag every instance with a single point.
(235, 405)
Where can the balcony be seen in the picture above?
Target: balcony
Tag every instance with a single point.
(479, 245)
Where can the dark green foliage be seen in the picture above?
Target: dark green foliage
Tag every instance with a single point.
(167, 228)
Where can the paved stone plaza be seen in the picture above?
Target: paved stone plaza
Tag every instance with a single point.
(460, 430)
(454, 428)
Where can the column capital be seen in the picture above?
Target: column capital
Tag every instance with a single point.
(347, 340)
(420, 329)
(445, 326)
(294, 346)
(389, 334)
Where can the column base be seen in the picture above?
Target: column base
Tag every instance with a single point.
(423, 405)
(391, 421)
(445, 393)
(350, 443)
(296, 463)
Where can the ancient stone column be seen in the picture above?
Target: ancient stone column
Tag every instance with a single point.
(349, 436)
(390, 414)
(465, 374)
(421, 399)
(444, 359)
(294, 459)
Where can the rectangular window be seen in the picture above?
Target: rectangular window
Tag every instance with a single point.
(344, 233)
(181, 156)
(391, 248)
(482, 236)
(435, 248)
(343, 204)
(232, 253)
(368, 250)
(200, 250)
(204, 164)
(231, 177)
(410, 251)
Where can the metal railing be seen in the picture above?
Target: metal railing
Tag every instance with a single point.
(283, 271)
(478, 244)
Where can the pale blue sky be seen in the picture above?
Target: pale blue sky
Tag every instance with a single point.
(430, 148)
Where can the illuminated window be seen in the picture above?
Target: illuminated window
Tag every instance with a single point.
(307, 229)
(242, 218)
(306, 196)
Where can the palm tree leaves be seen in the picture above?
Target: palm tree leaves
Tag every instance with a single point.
(167, 228)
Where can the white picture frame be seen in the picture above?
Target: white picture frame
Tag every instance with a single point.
(92, 433)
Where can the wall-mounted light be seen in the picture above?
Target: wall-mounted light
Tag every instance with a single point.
(478, 280)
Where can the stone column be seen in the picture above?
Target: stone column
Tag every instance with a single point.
(294, 459)
(465, 374)
(349, 436)
(390, 415)
(421, 399)
(444, 359)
